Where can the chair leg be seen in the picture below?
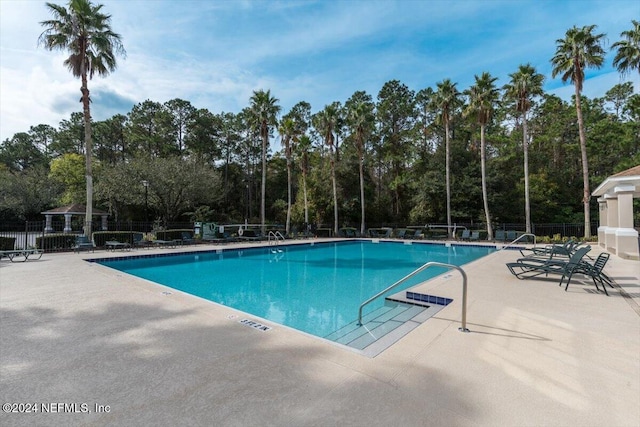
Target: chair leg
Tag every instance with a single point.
(604, 287)
(568, 281)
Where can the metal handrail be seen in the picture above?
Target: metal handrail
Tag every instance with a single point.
(276, 235)
(518, 238)
(463, 328)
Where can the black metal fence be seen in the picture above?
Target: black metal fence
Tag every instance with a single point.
(22, 235)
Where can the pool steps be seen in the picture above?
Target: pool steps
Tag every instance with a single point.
(384, 326)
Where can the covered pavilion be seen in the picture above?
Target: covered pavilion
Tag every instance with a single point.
(68, 212)
(615, 198)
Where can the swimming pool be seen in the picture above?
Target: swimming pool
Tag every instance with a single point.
(316, 288)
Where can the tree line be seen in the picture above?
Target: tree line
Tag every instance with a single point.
(485, 154)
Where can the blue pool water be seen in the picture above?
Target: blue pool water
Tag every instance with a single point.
(315, 288)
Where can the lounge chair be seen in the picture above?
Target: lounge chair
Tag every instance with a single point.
(594, 271)
(499, 236)
(566, 249)
(466, 235)
(187, 238)
(83, 243)
(114, 244)
(511, 236)
(139, 241)
(400, 233)
(250, 234)
(475, 236)
(15, 254)
(416, 235)
(526, 268)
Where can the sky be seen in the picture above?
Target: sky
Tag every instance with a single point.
(214, 54)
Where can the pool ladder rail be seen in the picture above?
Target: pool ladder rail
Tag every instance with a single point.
(274, 238)
(463, 327)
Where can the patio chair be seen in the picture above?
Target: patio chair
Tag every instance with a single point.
(499, 236)
(527, 268)
(21, 253)
(83, 243)
(139, 241)
(466, 235)
(566, 249)
(416, 235)
(511, 236)
(594, 271)
(400, 233)
(115, 244)
(475, 236)
(187, 238)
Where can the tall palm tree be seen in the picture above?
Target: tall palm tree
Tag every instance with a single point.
(288, 133)
(524, 85)
(447, 100)
(483, 96)
(85, 33)
(264, 110)
(628, 56)
(361, 120)
(302, 149)
(325, 123)
(580, 49)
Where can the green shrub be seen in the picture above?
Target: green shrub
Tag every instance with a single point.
(101, 237)
(175, 234)
(57, 241)
(7, 243)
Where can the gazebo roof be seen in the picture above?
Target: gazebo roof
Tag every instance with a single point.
(629, 177)
(76, 209)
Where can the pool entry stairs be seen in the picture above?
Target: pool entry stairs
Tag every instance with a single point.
(383, 326)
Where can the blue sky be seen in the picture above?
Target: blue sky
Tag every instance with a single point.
(216, 53)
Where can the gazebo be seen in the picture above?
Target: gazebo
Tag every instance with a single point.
(615, 198)
(68, 212)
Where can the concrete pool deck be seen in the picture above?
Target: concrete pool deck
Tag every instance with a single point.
(79, 334)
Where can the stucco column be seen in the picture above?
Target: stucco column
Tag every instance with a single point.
(612, 223)
(602, 212)
(47, 225)
(105, 227)
(626, 235)
(67, 223)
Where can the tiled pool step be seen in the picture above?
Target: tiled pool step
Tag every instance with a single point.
(383, 326)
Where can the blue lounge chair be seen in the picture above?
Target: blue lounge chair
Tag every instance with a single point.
(475, 236)
(466, 235)
(500, 236)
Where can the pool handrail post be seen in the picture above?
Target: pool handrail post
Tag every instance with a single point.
(463, 327)
(518, 238)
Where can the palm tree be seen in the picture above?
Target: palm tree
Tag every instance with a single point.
(482, 98)
(264, 110)
(302, 148)
(628, 56)
(360, 120)
(288, 133)
(447, 99)
(525, 84)
(326, 122)
(85, 32)
(580, 49)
